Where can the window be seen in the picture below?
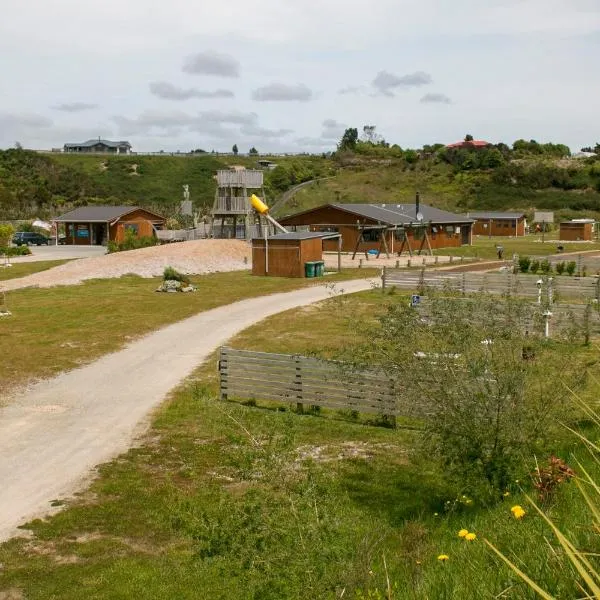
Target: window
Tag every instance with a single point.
(327, 228)
(371, 235)
(449, 230)
(133, 227)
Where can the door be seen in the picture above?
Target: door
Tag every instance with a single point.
(466, 235)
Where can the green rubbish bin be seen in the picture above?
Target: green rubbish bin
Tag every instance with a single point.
(319, 268)
(309, 269)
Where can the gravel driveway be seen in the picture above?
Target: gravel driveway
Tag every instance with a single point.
(54, 434)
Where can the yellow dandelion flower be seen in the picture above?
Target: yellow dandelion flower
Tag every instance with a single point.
(463, 533)
(516, 508)
(506, 494)
(519, 514)
(470, 537)
(443, 557)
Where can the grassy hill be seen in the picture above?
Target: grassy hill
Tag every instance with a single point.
(33, 184)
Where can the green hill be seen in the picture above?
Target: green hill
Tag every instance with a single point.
(498, 178)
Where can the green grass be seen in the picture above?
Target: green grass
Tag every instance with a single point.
(218, 503)
(529, 245)
(55, 329)
(22, 269)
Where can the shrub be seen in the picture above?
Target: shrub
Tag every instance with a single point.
(14, 251)
(545, 266)
(524, 262)
(560, 267)
(170, 274)
(6, 233)
(535, 266)
(571, 267)
(132, 242)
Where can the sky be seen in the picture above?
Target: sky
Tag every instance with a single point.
(288, 76)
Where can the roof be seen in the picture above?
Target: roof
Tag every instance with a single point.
(577, 222)
(303, 235)
(91, 143)
(467, 143)
(99, 214)
(495, 215)
(395, 214)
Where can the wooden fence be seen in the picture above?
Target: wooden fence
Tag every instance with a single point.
(494, 283)
(302, 380)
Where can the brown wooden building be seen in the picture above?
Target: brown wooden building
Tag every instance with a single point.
(397, 221)
(578, 230)
(498, 223)
(285, 254)
(97, 225)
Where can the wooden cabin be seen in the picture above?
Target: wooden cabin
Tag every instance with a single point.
(285, 254)
(363, 225)
(498, 223)
(97, 225)
(578, 230)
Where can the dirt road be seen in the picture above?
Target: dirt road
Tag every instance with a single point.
(53, 435)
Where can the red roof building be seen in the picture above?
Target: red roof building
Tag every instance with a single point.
(471, 144)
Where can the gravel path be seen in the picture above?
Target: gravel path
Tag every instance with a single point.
(53, 435)
(193, 258)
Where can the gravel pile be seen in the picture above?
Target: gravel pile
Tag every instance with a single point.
(191, 258)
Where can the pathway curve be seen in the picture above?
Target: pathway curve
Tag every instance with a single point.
(55, 433)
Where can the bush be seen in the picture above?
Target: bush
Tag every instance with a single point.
(535, 266)
(170, 274)
(131, 242)
(571, 267)
(546, 266)
(14, 251)
(560, 267)
(524, 262)
(6, 234)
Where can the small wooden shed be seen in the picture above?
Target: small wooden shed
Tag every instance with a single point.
(285, 254)
(578, 230)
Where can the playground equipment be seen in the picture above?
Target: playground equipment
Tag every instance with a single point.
(263, 210)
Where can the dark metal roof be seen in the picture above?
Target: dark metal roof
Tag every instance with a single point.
(91, 143)
(100, 214)
(402, 214)
(302, 235)
(495, 215)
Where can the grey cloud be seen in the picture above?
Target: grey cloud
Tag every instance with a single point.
(311, 142)
(281, 92)
(332, 129)
(386, 83)
(435, 99)
(15, 121)
(261, 132)
(168, 91)
(352, 89)
(211, 63)
(73, 107)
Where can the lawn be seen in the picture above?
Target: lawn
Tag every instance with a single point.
(60, 328)
(224, 501)
(22, 269)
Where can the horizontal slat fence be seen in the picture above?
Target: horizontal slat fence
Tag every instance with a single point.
(493, 283)
(303, 380)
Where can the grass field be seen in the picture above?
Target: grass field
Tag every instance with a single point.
(56, 329)
(22, 269)
(224, 501)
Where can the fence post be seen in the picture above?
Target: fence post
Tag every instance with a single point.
(360, 263)
(451, 259)
(397, 264)
(436, 259)
(298, 384)
(383, 278)
(464, 283)
(579, 265)
(222, 376)
(409, 263)
(598, 289)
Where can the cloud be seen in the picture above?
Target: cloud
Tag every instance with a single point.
(262, 132)
(211, 63)
(386, 83)
(281, 92)
(72, 107)
(16, 121)
(434, 98)
(168, 91)
(314, 143)
(352, 89)
(332, 129)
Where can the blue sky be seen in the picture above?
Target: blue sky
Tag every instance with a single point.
(181, 74)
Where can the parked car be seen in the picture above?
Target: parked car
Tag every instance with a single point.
(25, 238)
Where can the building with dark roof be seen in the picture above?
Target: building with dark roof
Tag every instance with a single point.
(469, 144)
(398, 222)
(99, 146)
(97, 225)
(495, 223)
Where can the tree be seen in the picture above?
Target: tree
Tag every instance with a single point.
(6, 234)
(253, 151)
(468, 137)
(235, 149)
(349, 139)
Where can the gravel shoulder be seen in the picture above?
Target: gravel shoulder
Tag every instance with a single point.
(53, 435)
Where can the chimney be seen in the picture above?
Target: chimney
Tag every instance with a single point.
(418, 204)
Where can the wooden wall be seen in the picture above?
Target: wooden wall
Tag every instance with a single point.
(286, 257)
(140, 218)
(499, 227)
(328, 218)
(576, 231)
